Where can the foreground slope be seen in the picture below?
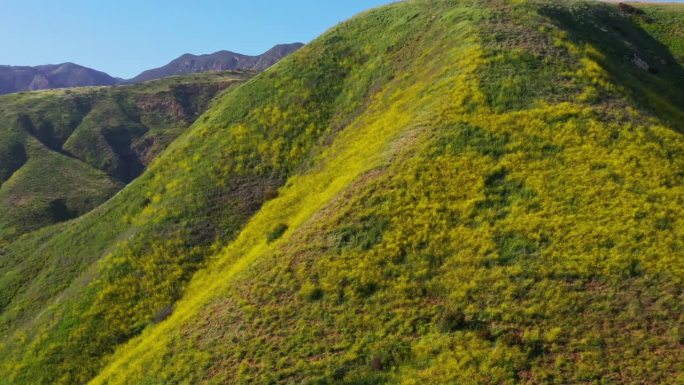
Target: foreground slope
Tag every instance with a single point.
(63, 153)
(488, 194)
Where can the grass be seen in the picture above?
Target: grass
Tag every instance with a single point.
(665, 23)
(50, 188)
(387, 215)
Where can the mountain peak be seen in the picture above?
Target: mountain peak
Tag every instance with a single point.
(69, 74)
(218, 61)
(25, 78)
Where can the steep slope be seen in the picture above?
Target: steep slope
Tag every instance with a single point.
(19, 78)
(63, 153)
(218, 61)
(489, 193)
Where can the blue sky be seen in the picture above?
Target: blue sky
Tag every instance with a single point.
(125, 37)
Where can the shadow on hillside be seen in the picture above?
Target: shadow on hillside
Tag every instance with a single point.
(634, 59)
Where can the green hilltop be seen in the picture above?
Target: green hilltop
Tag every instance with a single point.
(433, 192)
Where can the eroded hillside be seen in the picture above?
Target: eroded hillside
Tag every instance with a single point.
(62, 153)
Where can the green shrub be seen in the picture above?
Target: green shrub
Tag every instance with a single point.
(277, 232)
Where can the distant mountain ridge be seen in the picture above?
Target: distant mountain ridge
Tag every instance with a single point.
(218, 61)
(26, 78)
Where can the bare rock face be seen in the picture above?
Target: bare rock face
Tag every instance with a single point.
(643, 65)
(639, 62)
(39, 82)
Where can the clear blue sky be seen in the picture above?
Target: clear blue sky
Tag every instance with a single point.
(125, 37)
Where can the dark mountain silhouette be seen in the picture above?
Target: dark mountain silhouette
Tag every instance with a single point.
(218, 61)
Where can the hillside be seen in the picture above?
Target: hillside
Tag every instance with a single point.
(218, 61)
(433, 192)
(23, 78)
(664, 22)
(63, 153)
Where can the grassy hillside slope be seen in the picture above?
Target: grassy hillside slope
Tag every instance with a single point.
(492, 192)
(64, 152)
(666, 23)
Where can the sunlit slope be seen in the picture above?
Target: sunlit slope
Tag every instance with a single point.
(492, 216)
(431, 192)
(76, 291)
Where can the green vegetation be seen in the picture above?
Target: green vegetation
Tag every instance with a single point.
(277, 232)
(50, 188)
(489, 193)
(68, 151)
(666, 23)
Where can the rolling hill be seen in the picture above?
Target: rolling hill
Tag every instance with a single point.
(432, 192)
